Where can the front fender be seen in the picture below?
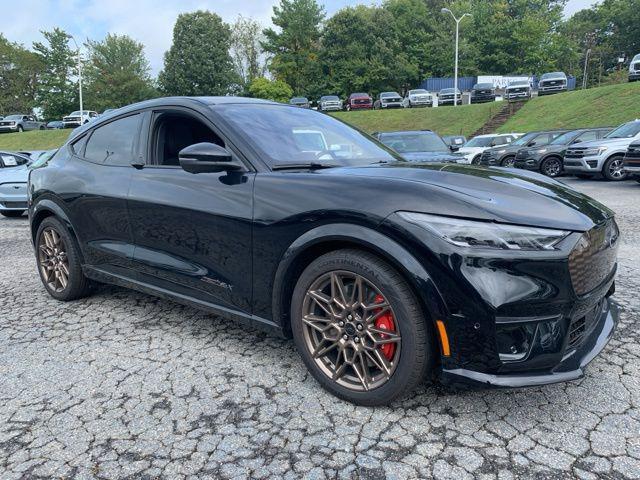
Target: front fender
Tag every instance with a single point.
(354, 236)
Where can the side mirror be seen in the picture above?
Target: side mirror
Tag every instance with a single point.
(577, 140)
(454, 148)
(207, 158)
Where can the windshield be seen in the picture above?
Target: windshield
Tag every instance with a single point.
(448, 90)
(565, 138)
(479, 142)
(417, 92)
(329, 98)
(552, 75)
(298, 100)
(388, 94)
(519, 83)
(286, 135)
(13, 117)
(628, 130)
(414, 142)
(525, 139)
(483, 86)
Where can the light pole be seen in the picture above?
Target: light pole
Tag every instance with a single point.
(455, 79)
(586, 63)
(79, 75)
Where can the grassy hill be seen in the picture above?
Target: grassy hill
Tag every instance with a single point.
(33, 140)
(609, 105)
(448, 120)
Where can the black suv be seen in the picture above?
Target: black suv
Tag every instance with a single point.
(632, 161)
(505, 155)
(548, 158)
(384, 272)
(483, 92)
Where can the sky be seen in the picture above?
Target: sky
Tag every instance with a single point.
(148, 21)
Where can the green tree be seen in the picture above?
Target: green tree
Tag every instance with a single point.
(198, 62)
(275, 90)
(117, 73)
(20, 70)
(57, 91)
(294, 47)
(246, 51)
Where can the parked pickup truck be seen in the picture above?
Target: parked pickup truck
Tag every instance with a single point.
(483, 92)
(634, 69)
(603, 157)
(518, 90)
(632, 160)
(553, 82)
(78, 118)
(20, 123)
(359, 101)
(418, 98)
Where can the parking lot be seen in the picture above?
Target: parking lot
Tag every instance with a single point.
(122, 384)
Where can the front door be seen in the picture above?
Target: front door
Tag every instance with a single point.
(192, 232)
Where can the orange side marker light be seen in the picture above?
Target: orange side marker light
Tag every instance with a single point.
(444, 338)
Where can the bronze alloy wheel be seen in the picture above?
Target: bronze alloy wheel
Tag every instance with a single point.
(53, 260)
(350, 330)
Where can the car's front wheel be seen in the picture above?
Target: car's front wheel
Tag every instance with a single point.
(359, 328)
(59, 261)
(551, 167)
(613, 169)
(20, 129)
(509, 162)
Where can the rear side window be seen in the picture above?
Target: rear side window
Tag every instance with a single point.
(8, 160)
(113, 144)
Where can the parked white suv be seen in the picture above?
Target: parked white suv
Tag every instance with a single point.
(634, 68)
(472, 150)
(603, 156)
(78, 118)
(418, 98)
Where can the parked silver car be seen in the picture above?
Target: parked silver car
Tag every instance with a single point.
(634, 69)
(20, 123)
(553, 82)
(13, 183)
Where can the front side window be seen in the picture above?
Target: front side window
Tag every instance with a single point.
(291, 136)
(113, 143)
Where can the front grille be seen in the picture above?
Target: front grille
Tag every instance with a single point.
(571, 163)
(633, 153)
(594, 257)
(583, 325)
(361, 101)
(574, 153)
(636, 67)
(5, 124)
(516, 90)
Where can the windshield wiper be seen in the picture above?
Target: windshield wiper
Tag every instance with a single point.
(298, 166)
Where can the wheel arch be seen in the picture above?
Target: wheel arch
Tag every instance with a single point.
(46, 208)
(327, 238)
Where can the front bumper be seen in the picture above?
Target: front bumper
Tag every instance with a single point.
(448, 101)
(72, 124)
(511, 95)
(418, 102)
(391, 105)
(551, 89)
(582, 165)
(6, 128)
(483, 98)
(529, 163)
(634, 76)
(361, 106)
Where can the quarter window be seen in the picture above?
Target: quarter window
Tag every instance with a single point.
(113, 144)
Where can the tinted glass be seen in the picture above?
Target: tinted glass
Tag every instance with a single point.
(565, 138)
(113, 143)
(414, 142)
(8, 160)
(525, 139)
(290, 135)
(588, 136)
(479, 142)
(627, 130)
(13, 117)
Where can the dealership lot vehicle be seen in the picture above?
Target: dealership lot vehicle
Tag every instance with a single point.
(302, 102)
(359, 101)
(505, 156)
(547, 159)
(634, 69)
(483, 92)
(13, 184)
(388, 100)
(553, 82)
(126, 362)
(518, 90)
(603, 157)
(632, 160)
(418, 98)
(454, 142)
(419, 146)
(329, 103)
(78, 118)
(447, 96)
(55, 125)
(367, 317)
(20, 123)
(472, 150)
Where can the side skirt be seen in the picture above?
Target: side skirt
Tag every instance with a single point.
(102, 276)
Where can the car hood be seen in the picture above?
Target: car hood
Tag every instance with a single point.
(467, 150)
(430, 157)
(493, 194)
(14, 174)
(607, 142)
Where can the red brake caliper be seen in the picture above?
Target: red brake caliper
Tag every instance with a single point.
(386, 322)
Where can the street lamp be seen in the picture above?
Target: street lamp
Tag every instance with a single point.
(455, 80)
(79, 75)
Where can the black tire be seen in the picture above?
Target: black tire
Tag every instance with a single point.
(475, 160)
(12, 213)
(416, 332)
(508, 162)
(611, 171)
(42, 127)
(551, 167)
(20, 129)
(78, 285)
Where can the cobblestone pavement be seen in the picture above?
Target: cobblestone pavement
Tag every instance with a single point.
(125, 385)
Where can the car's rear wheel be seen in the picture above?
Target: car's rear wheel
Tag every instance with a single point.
(613, 169)
(509, 162)
(359, 328)
(12, 213)
(551, 167)
(59, 262)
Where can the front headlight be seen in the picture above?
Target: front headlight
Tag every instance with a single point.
(479, 234)
(594, 152)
